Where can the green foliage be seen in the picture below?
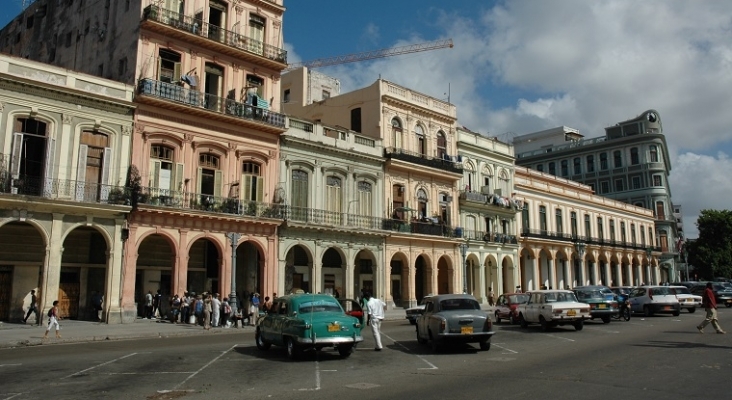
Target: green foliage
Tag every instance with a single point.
(711, 253)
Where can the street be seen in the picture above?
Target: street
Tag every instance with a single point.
(661, 357)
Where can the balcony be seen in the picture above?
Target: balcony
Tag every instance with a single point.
(192, 102)
(66, 190)
(212, 37)
(570, 238)
(490, 237)
(491, 199)
(179, 200)
(444, 164)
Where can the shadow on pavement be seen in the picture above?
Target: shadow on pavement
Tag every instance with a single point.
(682, 345)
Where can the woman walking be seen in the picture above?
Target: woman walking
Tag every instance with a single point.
(53, 321)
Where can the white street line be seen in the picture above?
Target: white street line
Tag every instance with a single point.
(317, 379)
(144, 373)
(501, 347)
(99, 365)
(601, 330)
(432, 366)
(223, 353)
(9, 365)
(559, 337)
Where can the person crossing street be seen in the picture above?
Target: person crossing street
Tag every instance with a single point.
(709, 302)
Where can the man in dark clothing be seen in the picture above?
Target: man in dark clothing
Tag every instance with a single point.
(33, 309)
(709, 302)
(156, 305)
(97, 300)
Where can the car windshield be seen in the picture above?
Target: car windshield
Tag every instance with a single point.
(682, 290)
(590, 295)
(459, 304)
(519, 298)
(318, 306)
(554, 297)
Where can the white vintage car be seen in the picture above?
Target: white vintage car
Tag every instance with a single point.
(550, 308)
(687, 300)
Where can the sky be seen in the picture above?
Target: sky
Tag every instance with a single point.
(521, 66)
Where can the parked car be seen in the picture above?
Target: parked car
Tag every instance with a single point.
(603, 302)
(414, 312)
(550, 308)
(651, 300)
(686, 299)
(352, 308)
(454, 318)
(721, 293)
(308, 321)
(506, 306)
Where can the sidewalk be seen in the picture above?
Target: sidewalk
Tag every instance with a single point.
(72, 331)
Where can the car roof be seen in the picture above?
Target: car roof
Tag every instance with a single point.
(298, 297)
(440, 297)
(550, 291)
(590, 287)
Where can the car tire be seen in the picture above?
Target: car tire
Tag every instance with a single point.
(522, 321)
(647, 311)
(692, 310)
(345, 350)
(498, 318)
(485, 346)
(293, 352)
(261, 343)
(544, 324)
(578, 325)
(676, 313)
(626, 314)
(605, 320)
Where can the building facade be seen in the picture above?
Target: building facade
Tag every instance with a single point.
(488, 214)
(573, 237)
(66, 140)
(630, 163)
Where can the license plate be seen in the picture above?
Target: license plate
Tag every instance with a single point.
(466, 330)
(334, 328)
(571, 313)
(689, 300)
(603, 306)
(667, 307)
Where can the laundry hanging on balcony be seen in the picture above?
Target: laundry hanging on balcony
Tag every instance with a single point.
(191, 80)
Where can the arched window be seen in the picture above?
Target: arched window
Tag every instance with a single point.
(365, 199)
(421, 140)
(333, 191)
(441, 145)
(165, 174)
(397, 133)
(422, 203)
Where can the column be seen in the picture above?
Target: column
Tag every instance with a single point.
(595, 273)
(112, 311)
(552, 274)
(631, 279)
(568, 279)
(536, 275)
(484, 275)
(128, 308)
(349, 289)
(180, 267)
(608, 274)
(52, 267)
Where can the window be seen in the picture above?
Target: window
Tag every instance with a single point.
(592, 186)
(422, 203)
(68, 39)
(356, 120)
(634, 158)
(565, 168)
(604, 187)
(252, 188)
(365, 199)
(286, 96)
(588, 226)
(100, 70)
(636, 181)
(552, 168)
(612, 229)
(333, 197)
(525, 217)
(421, 140)
(619, 185)
(256, 34)
(643, 236)
(603, 162)
(540, 167)
(542, 219)
(168, 66)
(326, 94)
(660, 210)
(29, 22)
(396, 133)
(653, 153)
(209, 176)
(632, 234)
(600, 229)
(617, 159)
(164, 173)
(657, 181)
(94, 160)
(573, 217)
(560, 227)
(577, 166)
(590, 163)
(300, 191)
(122, 67)
(623, 238)
(441, 145)
(663, 241)
(650, 236)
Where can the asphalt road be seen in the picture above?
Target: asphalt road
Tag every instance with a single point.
(661, 357)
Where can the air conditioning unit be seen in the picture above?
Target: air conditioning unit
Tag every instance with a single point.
(485, 189)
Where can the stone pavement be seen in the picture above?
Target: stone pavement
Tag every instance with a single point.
(72, 331)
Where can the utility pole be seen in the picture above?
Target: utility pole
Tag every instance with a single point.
(234, 238)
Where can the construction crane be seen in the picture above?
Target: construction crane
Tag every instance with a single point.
(370, 55)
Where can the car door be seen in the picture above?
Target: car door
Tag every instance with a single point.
(502, 307)
(424, 319)
(637, 297)
(276, 320)
(532, 307)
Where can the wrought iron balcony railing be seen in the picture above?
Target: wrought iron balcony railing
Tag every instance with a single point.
(61, 189)
(421, 159)
(182, 95)
(208, 203)
(489, 237)
(196, 26)
(543, 234)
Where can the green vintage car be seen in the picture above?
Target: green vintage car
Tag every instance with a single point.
(308, 322)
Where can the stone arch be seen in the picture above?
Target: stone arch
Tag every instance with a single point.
(423, 272)
(446, 276)
(22, 259)
(333, 270)
(156, 253)
(399, 279)
(366, 275)
(299, 262)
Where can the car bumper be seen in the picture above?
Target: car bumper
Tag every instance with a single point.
(604, 313)
(690, 305)
(475, 337)
(412, 318)
(332, 341)
(664, 308)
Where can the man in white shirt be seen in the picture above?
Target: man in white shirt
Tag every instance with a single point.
(376, 315)
(216, 310)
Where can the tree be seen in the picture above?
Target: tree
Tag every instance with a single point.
(711, 253)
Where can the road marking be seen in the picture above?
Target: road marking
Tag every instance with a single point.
(223, 353)
(145, 373)
(11, 395)
(99, 365)
(432, 366)
(501, 347)
(317, 379)
(601, 330)
(559, 337)
(9, 365)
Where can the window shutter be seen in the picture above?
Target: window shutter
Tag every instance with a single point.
(217, 183)
(199, 179)
(104, 185)
(176, 72)
(50, 160)
(17, 152)
(398, 139)
(178, 180)
(154, 179)
(159, 67)
(245, 191)
(81, 172)
(365, 203)
(260, 189)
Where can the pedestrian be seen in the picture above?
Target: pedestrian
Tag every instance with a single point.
(518, 289)
(216, 310)
(33, 308)
(175, 308)
(491, 298)
(185, 307)
(156, 305)
(376, 309)
(96, 300)
(365, 308)
(207, 309)
(53, 319)
(709, 302)
(225, 312)
(337, 294)
(198, 309)
(254, 310)
(148, 305)
(267, 304)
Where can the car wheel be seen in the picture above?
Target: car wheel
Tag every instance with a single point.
(544, 325)
(605, 320)
(345, 350)
(485, 346)
(513, 319)
(293, 352)
(692, 310)
(434, 344)
(522, 321)
(261, 344)
(578, 325)
(498, 318)
(676, 313)
(647, 311)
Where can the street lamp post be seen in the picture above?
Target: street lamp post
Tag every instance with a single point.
(463, 250)
(234, 238)
(649, 253)
(580, 246)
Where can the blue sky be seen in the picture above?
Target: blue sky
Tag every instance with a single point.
(521, 66)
